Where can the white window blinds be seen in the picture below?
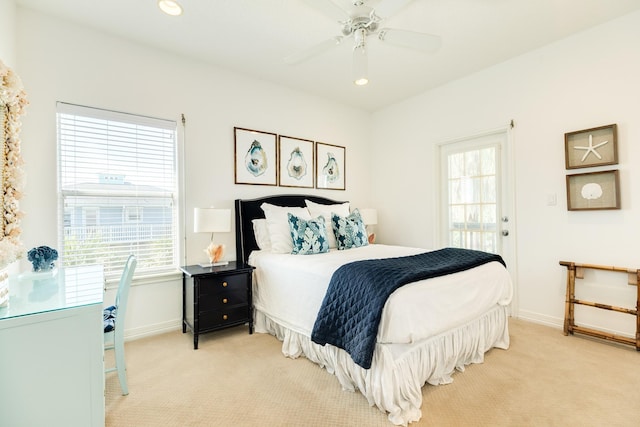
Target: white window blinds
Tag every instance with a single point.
(117, 187)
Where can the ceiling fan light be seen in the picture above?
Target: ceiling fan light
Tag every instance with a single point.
(360, 73)
(170, 7)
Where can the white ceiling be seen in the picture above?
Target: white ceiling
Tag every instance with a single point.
(253, 36)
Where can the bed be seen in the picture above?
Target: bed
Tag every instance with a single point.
(427, 330)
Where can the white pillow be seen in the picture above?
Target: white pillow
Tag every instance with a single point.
(261, 233)
(278, 225)
(316, 210)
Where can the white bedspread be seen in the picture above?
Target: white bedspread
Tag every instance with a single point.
(290, 289)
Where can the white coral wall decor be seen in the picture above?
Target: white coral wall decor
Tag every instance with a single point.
(13, 102)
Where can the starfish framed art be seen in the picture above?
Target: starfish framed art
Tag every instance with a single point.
(591, 147)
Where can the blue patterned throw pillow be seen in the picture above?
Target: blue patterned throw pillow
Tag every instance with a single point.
(309, 236)
(350, 231)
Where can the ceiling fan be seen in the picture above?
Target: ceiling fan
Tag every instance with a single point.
(360, 21)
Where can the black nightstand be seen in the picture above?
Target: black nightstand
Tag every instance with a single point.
(215, 298)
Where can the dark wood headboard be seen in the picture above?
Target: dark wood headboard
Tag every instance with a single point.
(248, 210)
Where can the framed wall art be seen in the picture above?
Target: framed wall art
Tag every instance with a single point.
(593, 191)
(296, 167)
(330, 166)
(256, 157)
(591, 147)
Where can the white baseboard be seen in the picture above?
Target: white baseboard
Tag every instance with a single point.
(174, 325)
(558, 323)
(542, 319)
(150, 330)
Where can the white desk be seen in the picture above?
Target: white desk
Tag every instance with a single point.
(51, 349)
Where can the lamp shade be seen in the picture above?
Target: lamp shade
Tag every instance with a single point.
(369, 216)
(210, 220)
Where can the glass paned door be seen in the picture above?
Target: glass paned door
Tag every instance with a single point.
(471, 184)
(472, 198)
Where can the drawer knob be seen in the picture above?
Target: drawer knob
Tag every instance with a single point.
(224, 284)
(225, 317)
(224, 300)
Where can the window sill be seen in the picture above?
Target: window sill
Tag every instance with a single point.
(149, 279)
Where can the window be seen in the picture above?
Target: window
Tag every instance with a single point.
(117, 185)
(133, 214)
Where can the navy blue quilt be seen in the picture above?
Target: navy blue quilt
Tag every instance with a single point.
(352, 307)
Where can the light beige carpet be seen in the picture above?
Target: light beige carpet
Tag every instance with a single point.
(237, 379)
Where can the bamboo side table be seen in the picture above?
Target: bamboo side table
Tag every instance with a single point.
(576, 271)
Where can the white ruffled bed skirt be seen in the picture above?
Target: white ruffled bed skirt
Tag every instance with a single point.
(398, 372)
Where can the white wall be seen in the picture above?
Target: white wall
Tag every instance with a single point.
(7, 32)
(583, 81)
(60, 61)
(587, 80)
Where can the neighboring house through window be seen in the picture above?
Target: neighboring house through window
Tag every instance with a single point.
(117, 185)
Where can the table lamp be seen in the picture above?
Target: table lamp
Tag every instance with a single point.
(210, 220)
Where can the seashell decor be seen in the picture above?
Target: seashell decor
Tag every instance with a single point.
(13, 102)
(330, 169)
(297, 166)
(256, 159)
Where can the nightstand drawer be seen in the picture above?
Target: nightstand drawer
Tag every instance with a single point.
(223, 284)
(220, 318)
(227, 298)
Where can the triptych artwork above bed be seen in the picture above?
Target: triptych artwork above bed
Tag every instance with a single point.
(266, 158)
(590, 148)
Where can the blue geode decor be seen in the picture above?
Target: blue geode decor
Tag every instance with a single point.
(43, 258)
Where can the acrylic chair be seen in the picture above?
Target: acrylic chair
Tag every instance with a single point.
(114, 323)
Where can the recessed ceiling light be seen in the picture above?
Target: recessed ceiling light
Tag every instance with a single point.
(170, 7)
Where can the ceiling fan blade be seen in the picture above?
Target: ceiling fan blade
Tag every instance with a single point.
(388, 8)
(329, 8)
(303, 55)
(412, 39)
